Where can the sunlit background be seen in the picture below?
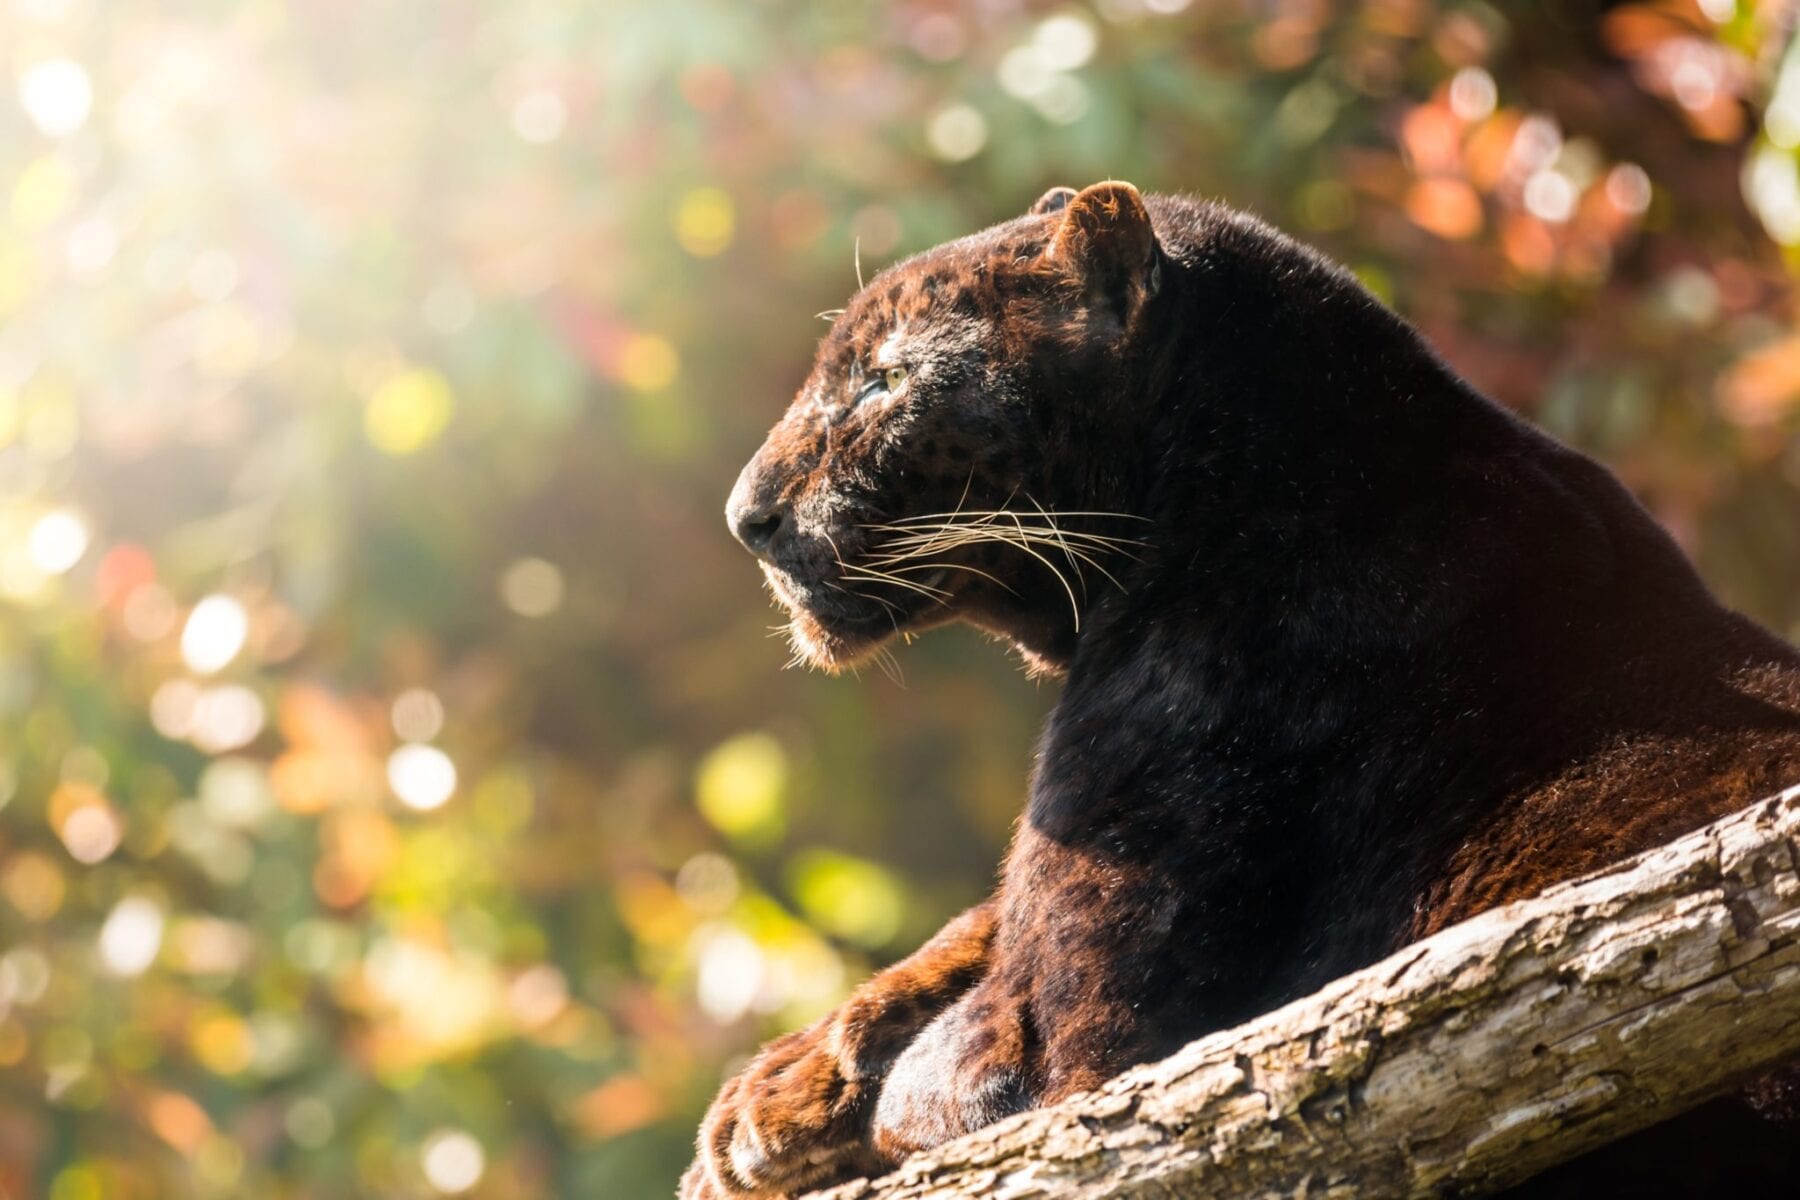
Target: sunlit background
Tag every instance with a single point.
(401, 793)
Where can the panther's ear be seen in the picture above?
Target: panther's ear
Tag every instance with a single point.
(1106, 240)
(1054, 200)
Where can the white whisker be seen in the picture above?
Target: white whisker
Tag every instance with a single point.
(920, 542)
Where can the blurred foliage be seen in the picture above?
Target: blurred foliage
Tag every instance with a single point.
(400, 793)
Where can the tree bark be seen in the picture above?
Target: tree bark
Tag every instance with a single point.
(1465, 1063)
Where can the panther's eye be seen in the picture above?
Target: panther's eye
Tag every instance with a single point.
(888, 379)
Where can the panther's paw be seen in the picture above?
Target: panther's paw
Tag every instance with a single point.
(790, 1123)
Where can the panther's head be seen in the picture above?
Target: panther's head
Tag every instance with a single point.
(940, 460)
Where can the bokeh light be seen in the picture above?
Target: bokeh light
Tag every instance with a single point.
(400, 793)
(453, 1161)
(532, 587)
(408, 411)
(214, 634)
(90, 831)
(422, 776)
(539, 116)
(705, 221)
(741, 786)
(731, 974)
(57, 95)
(131, 936)
(417, 715)
(58, 541)
(957, 132)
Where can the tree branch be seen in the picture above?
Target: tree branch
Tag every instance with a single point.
(1468, 1061)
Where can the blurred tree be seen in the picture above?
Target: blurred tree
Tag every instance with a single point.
(398, 792)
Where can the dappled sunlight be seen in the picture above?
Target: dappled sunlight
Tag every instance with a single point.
(399, 791)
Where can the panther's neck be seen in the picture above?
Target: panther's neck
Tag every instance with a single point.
(1109, 489)
(1269, 445)
(1271, 426)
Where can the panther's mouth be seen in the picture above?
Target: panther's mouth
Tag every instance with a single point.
(850, 593)
(838, 623)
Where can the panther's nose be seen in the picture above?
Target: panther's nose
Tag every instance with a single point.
(756, 525)
(755, 512)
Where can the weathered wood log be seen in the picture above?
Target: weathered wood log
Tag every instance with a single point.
(1466, 1062)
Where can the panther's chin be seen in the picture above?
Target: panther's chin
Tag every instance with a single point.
(831, 635)
(829, 649)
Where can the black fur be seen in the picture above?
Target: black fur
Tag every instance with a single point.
(1387, 656)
